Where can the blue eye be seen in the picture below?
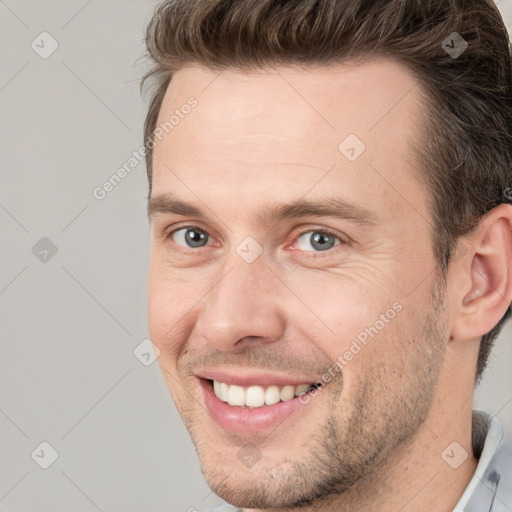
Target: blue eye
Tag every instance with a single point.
(318, 239)
(190, 236)
(313, 240)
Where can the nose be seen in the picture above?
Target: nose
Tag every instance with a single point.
(243, 307)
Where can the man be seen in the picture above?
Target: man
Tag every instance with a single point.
(331, 247)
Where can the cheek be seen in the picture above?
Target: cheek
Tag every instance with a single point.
(356, 331)
(159, 308)
(336, 306)
(168, 303)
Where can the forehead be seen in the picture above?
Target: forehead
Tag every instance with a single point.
(367, 98)
(293, 129)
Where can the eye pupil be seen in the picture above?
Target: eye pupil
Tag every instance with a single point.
(322, 241)
(194, 237)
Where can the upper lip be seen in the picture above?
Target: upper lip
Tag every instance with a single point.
(248, 379)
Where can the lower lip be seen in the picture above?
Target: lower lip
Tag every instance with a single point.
(243, 419)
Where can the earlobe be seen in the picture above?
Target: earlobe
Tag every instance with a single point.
(488, 276)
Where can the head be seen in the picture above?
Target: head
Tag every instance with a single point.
(330, 207)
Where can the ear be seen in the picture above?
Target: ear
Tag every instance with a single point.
(485, 276)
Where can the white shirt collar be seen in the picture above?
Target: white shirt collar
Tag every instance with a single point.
(490, 487)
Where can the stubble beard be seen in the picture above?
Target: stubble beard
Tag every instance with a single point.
(345, 450)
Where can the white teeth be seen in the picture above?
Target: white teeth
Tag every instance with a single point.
(254, 396)
(236, 395)
(287, 393)
(257, 396)
(272, 395)
(223, 391)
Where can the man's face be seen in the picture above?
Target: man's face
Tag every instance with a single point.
(256, 300)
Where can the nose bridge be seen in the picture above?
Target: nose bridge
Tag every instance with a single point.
(240, 305)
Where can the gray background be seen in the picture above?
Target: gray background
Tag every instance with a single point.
(70, 321)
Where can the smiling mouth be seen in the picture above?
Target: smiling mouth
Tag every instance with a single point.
(258, 396)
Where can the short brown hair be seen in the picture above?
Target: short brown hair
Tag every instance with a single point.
(465, 145)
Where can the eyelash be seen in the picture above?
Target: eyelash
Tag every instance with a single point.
(310, 254)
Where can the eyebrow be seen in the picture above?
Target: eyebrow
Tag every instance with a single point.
(335, 207)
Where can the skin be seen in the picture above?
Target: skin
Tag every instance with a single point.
(373, 437)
